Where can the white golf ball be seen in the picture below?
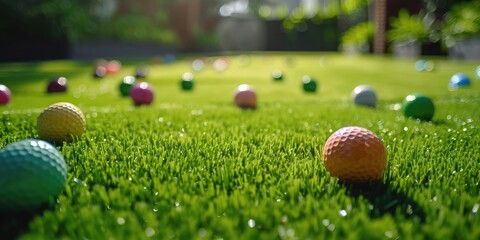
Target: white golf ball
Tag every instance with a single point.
(365, 96)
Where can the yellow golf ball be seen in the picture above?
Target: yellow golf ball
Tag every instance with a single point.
(61, 122)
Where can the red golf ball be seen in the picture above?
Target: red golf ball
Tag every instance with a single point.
(245, 97)
(142, 94)
(5, 94)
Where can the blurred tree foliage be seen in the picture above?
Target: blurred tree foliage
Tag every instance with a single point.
(407, 27)
(359, 34)
(461, 21)
(80, 20)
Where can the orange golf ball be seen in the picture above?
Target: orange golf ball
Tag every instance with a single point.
(354, 154)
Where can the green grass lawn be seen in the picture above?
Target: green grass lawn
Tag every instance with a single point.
(193, 166)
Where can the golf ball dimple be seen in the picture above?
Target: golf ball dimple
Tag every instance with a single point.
(418, 106)
(354, 154)
(32, 172)
(245, 97)
(364, 95)
(61, 122)
(5, 95)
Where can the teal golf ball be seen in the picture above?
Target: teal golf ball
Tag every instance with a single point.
(32, 172)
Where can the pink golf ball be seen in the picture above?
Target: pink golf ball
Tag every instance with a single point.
(142, 94)
(245, 97)
(5, 94)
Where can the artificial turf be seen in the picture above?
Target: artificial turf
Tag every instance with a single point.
(193, 166)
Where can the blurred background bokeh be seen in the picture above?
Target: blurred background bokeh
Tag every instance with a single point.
(88, 29)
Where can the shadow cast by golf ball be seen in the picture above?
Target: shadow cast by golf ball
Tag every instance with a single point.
(438, 122)
(14, 223)
(384, 199)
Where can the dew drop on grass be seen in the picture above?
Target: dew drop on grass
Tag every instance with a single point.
(120, 221)
(149, 232)
(342, 213)
(291, 233)
(331, 227)
(202, 232)
(251, 223)
(409, 209)
(160, 119)
(388, 234)
(281, 231)
(475, 208)
(325, 222)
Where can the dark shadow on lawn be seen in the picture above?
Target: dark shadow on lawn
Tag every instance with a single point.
(13, 224)
(386, 200)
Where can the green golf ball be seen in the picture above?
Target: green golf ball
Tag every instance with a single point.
(127, 84)
(32, 172)
(277, 75)
(309, 84)
(418, 106)
(187, 81)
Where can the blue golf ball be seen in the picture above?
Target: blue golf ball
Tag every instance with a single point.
(459, 80)
(420, 65)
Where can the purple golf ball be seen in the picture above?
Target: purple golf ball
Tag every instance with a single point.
(56, 85)
(5, 94)
(142, 94)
